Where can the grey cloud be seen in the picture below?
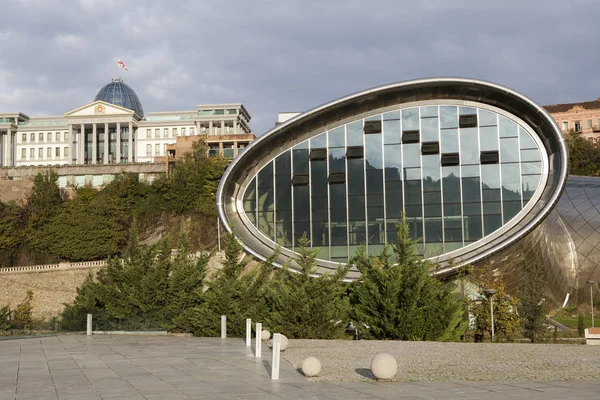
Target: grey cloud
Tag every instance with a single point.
(289, 55)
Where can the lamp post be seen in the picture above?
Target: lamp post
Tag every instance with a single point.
(490, 294)
(591, 282)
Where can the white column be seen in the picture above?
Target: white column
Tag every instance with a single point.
(72, 149)
(258, 349)
(248, 332)
(94, 145)
(198, 128)
(81, 145)
(89, 325)
(222, 127)
(130, 141)
(8, 148)
(235, 127)
(223, 326)
(106, 143)
(118, 143)
(4, 139)
(210, 128)
(275, 360)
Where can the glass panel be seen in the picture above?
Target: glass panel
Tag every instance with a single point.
(394, 115)
(534, 167)
(356, 201)
(410, 119)
(355, 133)
(508, 128)
(448, 117)
(301, 212)
(509, 150)
(469, 146)
(429, 111)
(489, 138)
(449, 141)
(391, 131)
(319, 142)
(429, 130)
(337, 195)
(412, 155)
(337, 160)
(487, 118)
(300, 160)
(336, 137)
(393, 162)
(265, 201)
(467, 110)
(471, 193)
(250, 201)
(374, 181)
(283, 199)
(490, 176)
(531, 155)
(320, 225)
(530, 183)
(526, 140)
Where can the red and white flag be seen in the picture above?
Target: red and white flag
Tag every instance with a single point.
(122, 65)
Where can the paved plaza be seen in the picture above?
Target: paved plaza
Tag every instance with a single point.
(166, 367)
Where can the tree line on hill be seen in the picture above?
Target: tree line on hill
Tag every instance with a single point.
(396, 298)
(93, 224)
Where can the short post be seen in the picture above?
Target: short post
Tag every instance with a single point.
(258, 340)
(89, 324)
(248, 332)
(223, 326)
(275, 360)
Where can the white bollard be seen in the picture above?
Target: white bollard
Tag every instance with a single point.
(89, 324)
(258, 350)
(275, 360)
(223, 326)
(248, 332)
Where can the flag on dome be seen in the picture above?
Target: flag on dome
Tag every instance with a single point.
(122, 64)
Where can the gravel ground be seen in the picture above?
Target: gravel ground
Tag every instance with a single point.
(347, 361)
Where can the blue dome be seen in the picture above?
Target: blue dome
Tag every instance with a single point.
(120, 94)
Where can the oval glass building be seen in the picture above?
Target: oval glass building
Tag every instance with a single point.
(473, 166)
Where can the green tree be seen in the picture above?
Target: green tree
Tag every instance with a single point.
(11, 232)
(23, 314)
(584, 158)
(401, 300)
(85, 228)
(227, 294)
(532, 306)
(305, 307)
(506, 318)
(194, 180)
(5, 319)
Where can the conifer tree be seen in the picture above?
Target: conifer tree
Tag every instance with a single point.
(401, 300)
(305, 307)
(532, 307)
(224, 296)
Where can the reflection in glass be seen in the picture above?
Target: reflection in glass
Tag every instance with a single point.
(283, 199)
(448, 207)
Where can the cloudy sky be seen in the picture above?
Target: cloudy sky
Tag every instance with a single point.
(289, 55)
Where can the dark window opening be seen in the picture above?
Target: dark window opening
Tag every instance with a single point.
(430, 148)
(450, 159)
(410, 137)
(467, 121)
(355, 152)
(489, 157)
(372, 127)
(318, 154)
(300, 180)
(337, 177)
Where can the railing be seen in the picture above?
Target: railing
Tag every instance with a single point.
(53, 267)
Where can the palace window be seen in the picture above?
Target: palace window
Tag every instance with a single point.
(23, 154)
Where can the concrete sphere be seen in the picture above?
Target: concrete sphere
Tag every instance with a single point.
(284, 343)
(311, 366)
(384, 366)
(265, 335)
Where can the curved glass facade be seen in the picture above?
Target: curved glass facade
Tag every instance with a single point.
(457, 173)
(120, 94)
(474, 167)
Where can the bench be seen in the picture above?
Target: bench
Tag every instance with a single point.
(592, 336)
